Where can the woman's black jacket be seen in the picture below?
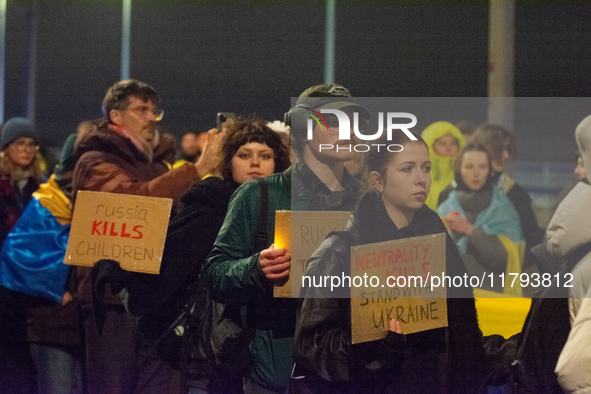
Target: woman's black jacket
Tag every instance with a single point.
(440, 360)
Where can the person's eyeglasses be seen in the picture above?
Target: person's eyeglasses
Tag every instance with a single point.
(23, 145)
(145, 111)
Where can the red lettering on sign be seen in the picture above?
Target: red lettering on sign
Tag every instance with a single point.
(95, 225)
(138, 232)
(123, 233)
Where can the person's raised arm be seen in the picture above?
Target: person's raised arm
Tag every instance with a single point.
(209, 162)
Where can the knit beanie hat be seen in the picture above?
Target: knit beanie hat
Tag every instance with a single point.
(68, 158)
(16, 128)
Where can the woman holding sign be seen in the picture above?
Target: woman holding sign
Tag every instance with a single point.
(437, 360)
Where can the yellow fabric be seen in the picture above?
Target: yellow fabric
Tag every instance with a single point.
(498, 315)
(505, 183)
(515, 254)
(179, 163)
(442, 168)
(42, 164)
(51, 197)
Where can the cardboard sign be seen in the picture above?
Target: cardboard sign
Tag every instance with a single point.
(128, 229)
(301, 232)
(401, 289)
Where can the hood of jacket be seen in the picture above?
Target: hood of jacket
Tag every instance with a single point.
(568, 229)
(583, 136)
(442, 168)
(370, 222)
(438, 130)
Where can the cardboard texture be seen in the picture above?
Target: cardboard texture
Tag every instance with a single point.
(301, 232)
(128, 229)
(415, 306)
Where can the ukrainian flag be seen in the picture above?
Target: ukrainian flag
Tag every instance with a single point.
(31, 259)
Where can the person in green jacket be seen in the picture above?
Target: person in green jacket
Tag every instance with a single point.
(444, 141)
(238, 274)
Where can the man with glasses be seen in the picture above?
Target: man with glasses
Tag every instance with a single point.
(124, 153)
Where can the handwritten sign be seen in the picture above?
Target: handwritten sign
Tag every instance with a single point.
(397, 286)
(128, 229)
(301, 232)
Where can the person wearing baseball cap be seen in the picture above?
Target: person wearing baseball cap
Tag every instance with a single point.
(238, 274)
(331, 96)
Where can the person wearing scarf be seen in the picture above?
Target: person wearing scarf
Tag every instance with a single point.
(485, 226)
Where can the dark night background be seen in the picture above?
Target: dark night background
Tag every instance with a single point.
(204, 57)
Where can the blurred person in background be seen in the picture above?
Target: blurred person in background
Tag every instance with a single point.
(502, 147)
(568, 235)
(20, 176)
(482, 220)
(485, 227)
(580, 176)
(192, 145)
(580, 171)
(568, 232)
(467, 127)
(444, 140)
(31, 263)
(20, 172)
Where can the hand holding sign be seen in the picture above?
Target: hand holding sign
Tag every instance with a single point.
(301, 232)
(401, 270)
(395, 326)
(275, 264)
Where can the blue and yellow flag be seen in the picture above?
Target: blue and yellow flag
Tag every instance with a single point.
(31, 259)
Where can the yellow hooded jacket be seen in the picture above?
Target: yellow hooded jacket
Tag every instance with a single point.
(442, 168)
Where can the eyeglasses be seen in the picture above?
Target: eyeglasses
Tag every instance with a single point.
(23, 145)
(144, 111)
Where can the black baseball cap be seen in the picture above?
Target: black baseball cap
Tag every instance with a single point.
(330, 96)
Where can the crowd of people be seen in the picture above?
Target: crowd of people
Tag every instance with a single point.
(220, 264)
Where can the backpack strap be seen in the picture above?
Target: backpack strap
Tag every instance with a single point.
(260, 242)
